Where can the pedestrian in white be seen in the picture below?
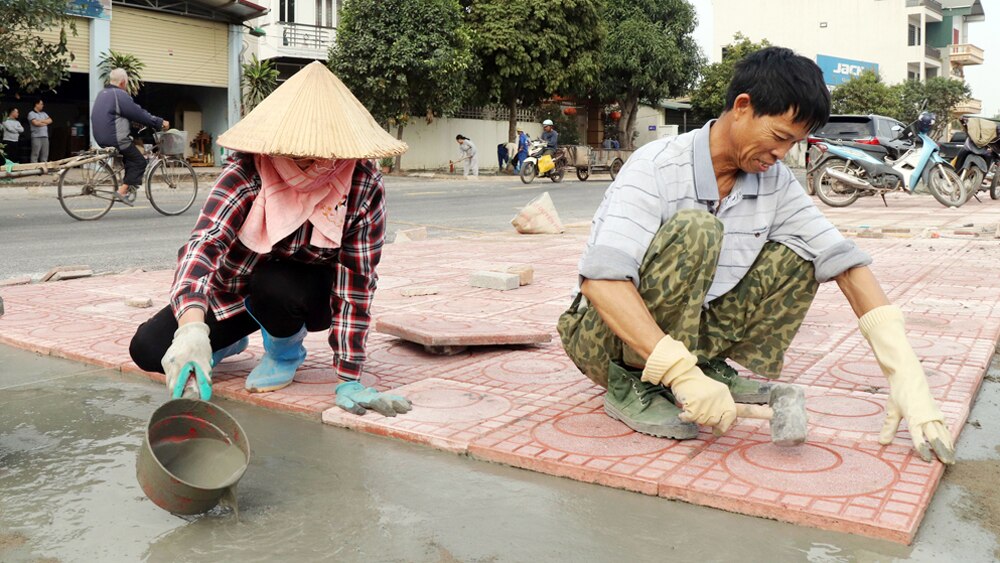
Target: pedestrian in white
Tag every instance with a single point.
(40, 122)
(470, 157)
(12, 130)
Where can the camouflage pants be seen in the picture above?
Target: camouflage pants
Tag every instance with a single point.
(752, 324)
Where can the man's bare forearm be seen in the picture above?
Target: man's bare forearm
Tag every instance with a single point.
(862, 290)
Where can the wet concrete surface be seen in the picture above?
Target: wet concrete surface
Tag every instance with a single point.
(69, 436)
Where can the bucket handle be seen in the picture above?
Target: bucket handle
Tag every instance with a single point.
(202, 381)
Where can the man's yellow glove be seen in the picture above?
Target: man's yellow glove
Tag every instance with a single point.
(909, 395)
(704, 400)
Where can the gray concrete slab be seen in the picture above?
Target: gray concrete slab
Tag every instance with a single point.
(68, 443)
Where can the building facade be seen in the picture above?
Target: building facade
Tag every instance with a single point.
(900, 39)
(191, 51)
(296, 33)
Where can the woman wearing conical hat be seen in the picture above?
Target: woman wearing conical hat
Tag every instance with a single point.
(287, 243)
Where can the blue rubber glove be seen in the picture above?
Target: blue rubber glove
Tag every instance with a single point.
(354, 397)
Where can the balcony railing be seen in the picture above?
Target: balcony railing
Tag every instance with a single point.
(932, 53)
(968, 106)
(966, 54)
(305, 36)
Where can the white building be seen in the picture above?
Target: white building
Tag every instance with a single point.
(901, 39)
(296, 33)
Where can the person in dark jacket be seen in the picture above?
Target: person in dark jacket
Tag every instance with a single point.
(114, 108)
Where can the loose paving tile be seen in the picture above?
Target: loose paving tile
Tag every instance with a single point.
(528, 406)
(434, 331)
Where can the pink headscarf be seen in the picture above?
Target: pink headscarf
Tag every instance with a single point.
(290, 196)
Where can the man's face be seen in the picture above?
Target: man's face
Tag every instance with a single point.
(39, 106)
(14, 114)
(760, 141)
(547, 128)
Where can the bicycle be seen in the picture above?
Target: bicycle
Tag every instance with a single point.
(86, 190)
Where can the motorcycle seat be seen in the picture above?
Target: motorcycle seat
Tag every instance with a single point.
(874, 149)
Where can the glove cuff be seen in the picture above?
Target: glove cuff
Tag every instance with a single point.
(193, 327)
(878, 317)
(669, 359)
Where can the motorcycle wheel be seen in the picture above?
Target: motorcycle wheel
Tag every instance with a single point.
(830, 191)
(995, 185)
(528, 172)
(972, 177)
(947, 187)
(583, 174)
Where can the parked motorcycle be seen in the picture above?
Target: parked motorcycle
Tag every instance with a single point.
(980, 157)
(535, 164)
(843, 173)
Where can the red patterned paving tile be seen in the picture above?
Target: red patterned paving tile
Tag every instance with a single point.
(874, 491)
(442, 330)
(579, 441)
(446, 414)
(546, 372)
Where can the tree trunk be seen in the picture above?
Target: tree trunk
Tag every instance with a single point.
(630, 108)
(512, 120)
(399, 157)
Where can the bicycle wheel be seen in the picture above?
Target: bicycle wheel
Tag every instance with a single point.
(85, 192)
(171, 186)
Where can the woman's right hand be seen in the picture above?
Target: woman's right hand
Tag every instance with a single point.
(191, 345)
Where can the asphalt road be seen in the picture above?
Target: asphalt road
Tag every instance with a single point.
(36, 234)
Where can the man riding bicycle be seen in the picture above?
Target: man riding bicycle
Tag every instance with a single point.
(114, 108)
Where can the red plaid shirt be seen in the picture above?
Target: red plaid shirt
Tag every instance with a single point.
(214, 267)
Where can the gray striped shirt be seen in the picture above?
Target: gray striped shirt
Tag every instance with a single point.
(675, 173)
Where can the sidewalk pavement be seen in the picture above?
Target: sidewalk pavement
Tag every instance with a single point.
(529, 407)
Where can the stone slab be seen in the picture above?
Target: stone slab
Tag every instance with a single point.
(48, 275)
(139, 302)
(22, 280)
(70, 275)
(495, 280)
(448, 331)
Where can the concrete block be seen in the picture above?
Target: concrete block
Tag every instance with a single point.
(51, 273)
(23, 280)
(71, 275)
(495, 280)
(139, 302)
(418, 291)
(410, 235)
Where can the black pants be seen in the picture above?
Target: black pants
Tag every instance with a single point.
(13, 150)
(284, 295)
(135, 165)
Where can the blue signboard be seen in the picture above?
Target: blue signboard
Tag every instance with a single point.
(97, 9)
(837, 70)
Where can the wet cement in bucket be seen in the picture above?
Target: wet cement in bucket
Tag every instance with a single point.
(205, 463)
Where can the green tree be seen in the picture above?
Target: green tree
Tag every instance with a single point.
(649, 55)
(709, 97)
(125, 61)
(864, 94)
(403, 58)
(259, 79)
(528, 51)
(35, 65)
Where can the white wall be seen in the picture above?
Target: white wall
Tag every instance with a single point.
(866, 30)
(433, 145)
(645, 117)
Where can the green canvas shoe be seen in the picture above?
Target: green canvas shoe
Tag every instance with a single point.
(644, 407)
(743, 390)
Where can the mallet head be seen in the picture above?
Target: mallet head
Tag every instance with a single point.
(788, 424)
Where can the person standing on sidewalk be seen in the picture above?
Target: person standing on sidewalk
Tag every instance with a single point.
(287, 243)
(39, 121)
(470, 156)
(114, 110)
(12, 130)
(706, 248)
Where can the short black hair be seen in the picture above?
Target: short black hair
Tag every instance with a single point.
(461, 138)
(10, 111)
(778, 80)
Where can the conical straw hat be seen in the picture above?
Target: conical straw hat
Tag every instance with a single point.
(313, 114)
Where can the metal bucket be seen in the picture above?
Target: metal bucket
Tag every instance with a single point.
(192, 456)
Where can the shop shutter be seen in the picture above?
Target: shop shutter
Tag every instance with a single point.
(79, 44)
(175, 49)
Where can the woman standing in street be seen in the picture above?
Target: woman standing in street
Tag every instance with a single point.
(470, 157)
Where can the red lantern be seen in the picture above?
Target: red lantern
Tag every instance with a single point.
(570, 111)
(616, 115)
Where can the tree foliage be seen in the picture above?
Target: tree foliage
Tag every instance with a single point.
(34, 64)
(403, 58)
(867, 93)
(649, 55)
(528, 51)
(709, 97)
